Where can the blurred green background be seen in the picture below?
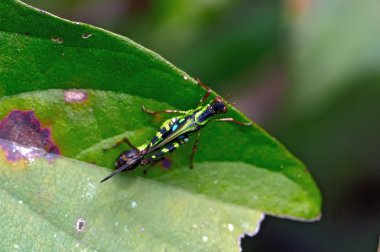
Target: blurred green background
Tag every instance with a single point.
(307, 71)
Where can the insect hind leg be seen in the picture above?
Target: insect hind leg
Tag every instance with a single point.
(195, 147)
(230, 119)
(150, 163)
(123, 140)
(207, 94)
(168, 111)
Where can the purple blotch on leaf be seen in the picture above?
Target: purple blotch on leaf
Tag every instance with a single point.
(24, 128)
(166, 163)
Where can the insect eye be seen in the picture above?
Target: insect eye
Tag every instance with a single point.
(219, 106)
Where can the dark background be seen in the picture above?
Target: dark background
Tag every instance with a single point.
(307, 71)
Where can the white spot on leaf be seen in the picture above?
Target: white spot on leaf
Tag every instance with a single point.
(86, 35)
(133, 204)
(90, 191)
(230, 227)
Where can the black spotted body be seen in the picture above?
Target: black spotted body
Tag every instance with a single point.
(157, 149)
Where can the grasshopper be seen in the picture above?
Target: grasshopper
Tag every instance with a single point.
(173, 133)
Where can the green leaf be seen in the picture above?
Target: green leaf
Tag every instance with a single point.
(236, 167)
(40, 51)
(256, 172)
(121, 216)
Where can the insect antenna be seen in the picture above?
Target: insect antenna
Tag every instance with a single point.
(227, 100)
(122, 168)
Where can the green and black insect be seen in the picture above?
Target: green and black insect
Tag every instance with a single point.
(173, 133)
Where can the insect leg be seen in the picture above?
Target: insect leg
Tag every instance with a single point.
(169, 111)
(230, 119)
(208, 91)
(195, 146)
(151, 163)
(124, 140)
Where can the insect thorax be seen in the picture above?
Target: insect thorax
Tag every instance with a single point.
(203, 115)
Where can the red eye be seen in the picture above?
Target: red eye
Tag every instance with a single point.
(218, 99)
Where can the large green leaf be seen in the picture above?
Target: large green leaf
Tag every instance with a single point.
(121, 216)
(235, 166)
(250, 170)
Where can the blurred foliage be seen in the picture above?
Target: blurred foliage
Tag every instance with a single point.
(332, 42)
(224, 46)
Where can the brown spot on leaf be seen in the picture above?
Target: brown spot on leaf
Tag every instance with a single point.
(24, 128)
(80, 225)
(57, 40)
